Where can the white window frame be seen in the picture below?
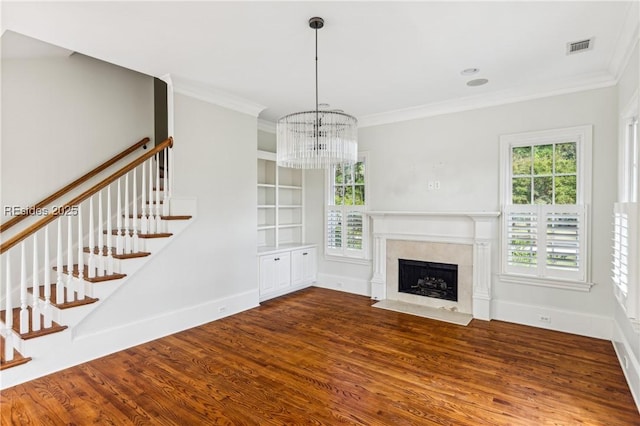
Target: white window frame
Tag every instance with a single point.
(541, 275)
(625, 272)
(345, 254)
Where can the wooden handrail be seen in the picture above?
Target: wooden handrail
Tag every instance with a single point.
(80, 198)
(51, 198)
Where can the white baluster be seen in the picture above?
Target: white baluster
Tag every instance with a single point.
(135, 240)
(165, 186)
(109, 267)
(80, 285)
(144, 225)
(35, 310)
(47, 313)
(60, 293)
(100, 264)
(119, 239)
(170, 189)
(24, 312)
(92, 243)
(71, 294)
(152, 219)
(127, 229)
(8, 319)
(158, 206)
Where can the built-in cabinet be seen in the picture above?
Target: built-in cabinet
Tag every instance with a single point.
(285, 262)
(285, 270)
(280, 203)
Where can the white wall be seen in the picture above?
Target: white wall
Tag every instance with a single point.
(64, 115)
(215, 257)
(461, 150)
(266, 141)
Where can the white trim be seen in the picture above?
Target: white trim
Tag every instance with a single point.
(629, 364)
(503, 97)
(345, 259)
(547, 282)
(581, 323)
(215, 96)
(266, 126)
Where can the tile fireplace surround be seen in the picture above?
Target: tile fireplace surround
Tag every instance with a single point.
(462, 238)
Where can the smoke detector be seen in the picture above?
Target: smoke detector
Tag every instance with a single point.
(579, 46)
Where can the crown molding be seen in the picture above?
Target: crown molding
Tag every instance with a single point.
(266, 126)
(213, 95)
(627, 41)
(502, 97)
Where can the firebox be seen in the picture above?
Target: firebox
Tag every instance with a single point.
(430, 279)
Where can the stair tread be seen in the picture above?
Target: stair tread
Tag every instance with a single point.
(64, 305)
(95, 279)
(18, 359)
(55, 328)
(105, 252)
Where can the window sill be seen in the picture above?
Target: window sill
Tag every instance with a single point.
(547, 282)
(345, 259)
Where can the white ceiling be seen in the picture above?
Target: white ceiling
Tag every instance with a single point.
(377, 60)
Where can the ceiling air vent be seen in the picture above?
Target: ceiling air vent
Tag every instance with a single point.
(579, 46)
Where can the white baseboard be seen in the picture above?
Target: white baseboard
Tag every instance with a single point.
(72, 351)
(628, 362)
(580, 323)
(342, 283)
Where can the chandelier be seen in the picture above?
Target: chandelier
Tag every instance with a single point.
(320, 138)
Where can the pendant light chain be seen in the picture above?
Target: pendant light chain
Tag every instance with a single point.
(317, 113)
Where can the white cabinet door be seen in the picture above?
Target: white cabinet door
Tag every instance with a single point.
(283, 270)
(303, 266)
(267, 274)
(310, 265)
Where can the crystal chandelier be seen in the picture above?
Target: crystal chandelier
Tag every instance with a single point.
(317, 139)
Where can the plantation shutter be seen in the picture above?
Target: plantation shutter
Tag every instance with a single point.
(624, 270)
(545, 240)
(354, 230)
(334, 229)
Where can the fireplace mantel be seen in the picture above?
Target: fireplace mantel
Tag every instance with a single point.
(478, 229)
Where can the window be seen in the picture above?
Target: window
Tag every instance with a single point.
(545, 191)
(346, 225)
(625, 271)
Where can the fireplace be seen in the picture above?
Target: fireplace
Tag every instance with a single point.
(429, 279)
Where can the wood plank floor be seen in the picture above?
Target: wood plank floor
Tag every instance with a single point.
(326, 358)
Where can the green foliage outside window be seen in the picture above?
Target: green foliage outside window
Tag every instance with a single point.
(349, 185)
(544, 174)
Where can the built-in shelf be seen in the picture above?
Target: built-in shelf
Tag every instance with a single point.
(280, 203)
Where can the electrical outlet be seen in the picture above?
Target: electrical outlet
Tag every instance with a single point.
(544, 318)
(222, 309)
(436, 184)
(625, 361)
(430, 185)
(339, 285)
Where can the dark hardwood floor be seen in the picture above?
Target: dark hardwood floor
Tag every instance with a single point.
(327, 358)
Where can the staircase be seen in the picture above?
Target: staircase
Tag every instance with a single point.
(59, 269)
